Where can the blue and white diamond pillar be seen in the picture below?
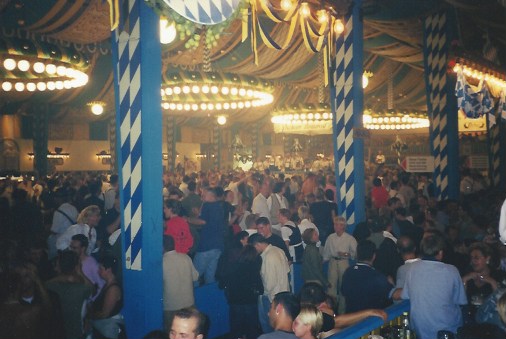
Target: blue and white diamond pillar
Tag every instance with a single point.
(137, 72)
(494, 152)
(347, 107)
(441, 105)
(502, 153)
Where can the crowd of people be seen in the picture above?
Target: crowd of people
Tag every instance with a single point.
(61, 250)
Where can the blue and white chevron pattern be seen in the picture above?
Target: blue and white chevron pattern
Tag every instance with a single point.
(129, 78)
(502, 106)
(495, 152)
(343, 80)
(207, 12)
(436, 50)
(112, 144)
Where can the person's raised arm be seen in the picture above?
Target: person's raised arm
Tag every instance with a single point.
(348, 319)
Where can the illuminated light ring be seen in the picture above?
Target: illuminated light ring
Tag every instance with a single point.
(394, 120)
(27, 62)
(303, 119)
(213, 91)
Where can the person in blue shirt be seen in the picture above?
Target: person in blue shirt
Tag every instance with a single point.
(435, 291)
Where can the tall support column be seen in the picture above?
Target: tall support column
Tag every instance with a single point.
(254, 142)
(347, 108)
(442, 107)
(171, 143)
(112, 145)
(494, 153)
(40, 137)
(137, 68)
(502, 153)
(216, 145)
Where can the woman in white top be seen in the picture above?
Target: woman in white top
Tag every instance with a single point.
(87, 220)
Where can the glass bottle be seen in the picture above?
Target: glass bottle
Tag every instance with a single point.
(406, 332)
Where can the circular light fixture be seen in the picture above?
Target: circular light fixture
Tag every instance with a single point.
(209, 91)
(338, 26)
(38, 64)
(168, 31)
(303, 119)
(394, 120)
(221, 120)
(97, 107)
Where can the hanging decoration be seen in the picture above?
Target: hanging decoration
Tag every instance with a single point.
(394, 120)
(475, 101)
(317, 27)
(213, 91)
(303, 119)
(29, 66)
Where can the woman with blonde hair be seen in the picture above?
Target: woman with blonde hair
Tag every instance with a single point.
(87, 220)
(308, 323)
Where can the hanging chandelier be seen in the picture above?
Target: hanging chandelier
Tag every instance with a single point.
(196, 91)
(317, 119)
(303, 119)
(394, 120)
(29, 66)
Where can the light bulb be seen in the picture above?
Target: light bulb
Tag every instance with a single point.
(168, 31)
(365, 81)
(338, 26)
(97, 109)
(23, 65)
(221, 120)
(286, 5)
(9, 64)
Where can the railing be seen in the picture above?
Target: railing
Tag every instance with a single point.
(211, 300)
(372, 325)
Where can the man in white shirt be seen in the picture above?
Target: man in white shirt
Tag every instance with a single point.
(339, 248)
(274, 272)
(276, 201)
(260, 206)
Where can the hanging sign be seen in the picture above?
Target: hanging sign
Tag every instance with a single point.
(418, 164)
(205, 12)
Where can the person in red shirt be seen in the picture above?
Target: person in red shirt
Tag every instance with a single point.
(379, 194)
(176, 226)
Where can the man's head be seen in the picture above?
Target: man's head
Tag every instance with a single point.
(188, 323)
(312, 293)
(432, 246)
(264, 226)
(79, 243)
(251, 221)
(192, 185)
(258, 241)
(366, 250)
(285, 307)
(378, 224)
(407, 247)
(265, 186)
(339, 225)
(113, 180)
